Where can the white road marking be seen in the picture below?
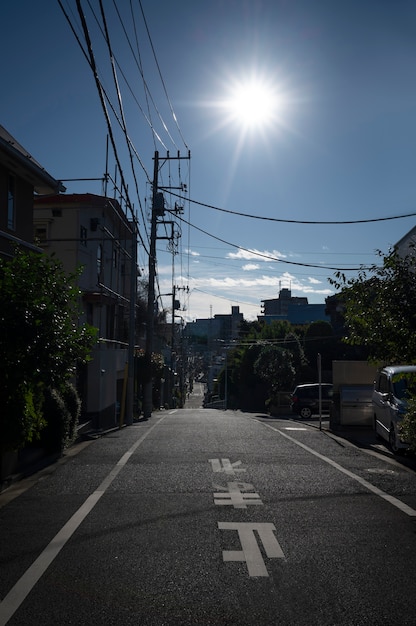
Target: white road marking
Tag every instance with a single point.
(224, 465)
(250, 552)
(25, 584)
(379, 492)
(237, 495)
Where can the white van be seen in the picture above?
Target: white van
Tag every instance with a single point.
(389, 402)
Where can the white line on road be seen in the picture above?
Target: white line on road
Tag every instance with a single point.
(225, 465)
(25, 584)
(379, 492)
(250, 552)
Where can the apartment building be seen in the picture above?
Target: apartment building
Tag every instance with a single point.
(94, 234)
(20, 178)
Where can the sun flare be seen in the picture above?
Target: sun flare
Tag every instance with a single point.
(253, 104)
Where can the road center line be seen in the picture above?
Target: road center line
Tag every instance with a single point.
(25, 584)
(379, 492)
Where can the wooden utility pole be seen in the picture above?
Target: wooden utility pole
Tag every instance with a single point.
(147, 395)
(158, 210)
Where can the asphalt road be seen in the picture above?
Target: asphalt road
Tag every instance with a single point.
(208, 517)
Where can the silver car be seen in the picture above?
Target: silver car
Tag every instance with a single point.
(391, 389)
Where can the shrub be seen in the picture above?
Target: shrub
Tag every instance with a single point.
(73, 404)
(21, 416)
(56, 414)
(61, 411)
(408, 424)
(41, 341)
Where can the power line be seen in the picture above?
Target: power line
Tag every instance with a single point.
(215, 295)
(175, 119)
(89, 56)
(308, 222)
(146, 88)
(269, 257)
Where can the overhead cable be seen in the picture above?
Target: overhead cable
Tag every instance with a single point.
(175, 119)
(103, 98)
(147, 90)
(269, 257)
(309, 222)
(120, 102)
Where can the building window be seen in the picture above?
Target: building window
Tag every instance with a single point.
(11, 203)
(83, 236)
(99, 260)
(42, 234)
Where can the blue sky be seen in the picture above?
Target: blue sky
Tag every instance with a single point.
(337, 142)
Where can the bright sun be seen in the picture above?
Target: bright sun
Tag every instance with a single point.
(253, 104)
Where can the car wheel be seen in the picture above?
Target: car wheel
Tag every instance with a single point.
(393, 442)
(305, 412)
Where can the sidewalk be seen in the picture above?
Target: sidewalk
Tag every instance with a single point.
(363, 437)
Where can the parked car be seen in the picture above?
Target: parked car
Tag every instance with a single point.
(391, 389)
(305, 399)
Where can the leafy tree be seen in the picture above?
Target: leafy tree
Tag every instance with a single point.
(380, 308)
(231, 370)
(380, 314)
(251, 394)
(40, 343)
(157, 364)
(293, 344)
(275, 366)
(319, 339)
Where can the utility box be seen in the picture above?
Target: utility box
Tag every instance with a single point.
(356, 408)
(353, 387)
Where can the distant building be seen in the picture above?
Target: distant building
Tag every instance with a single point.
(295, 310)
(20, 178)
(220, 327)
(93, 232)
(407, 244)
(280, 306)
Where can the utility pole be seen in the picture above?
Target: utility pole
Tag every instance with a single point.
(175, 307)
(147, 396)
(158, 209)
(132, 327)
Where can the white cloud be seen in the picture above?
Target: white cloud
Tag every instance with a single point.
(215, 290)
(256, 254)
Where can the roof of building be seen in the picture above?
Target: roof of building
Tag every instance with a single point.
(20, 162)
(409, 236)
(79, 200)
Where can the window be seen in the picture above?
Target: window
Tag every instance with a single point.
(11, 203)
(383, 384)
(83, 235)
(99, 260)
(42, 234)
